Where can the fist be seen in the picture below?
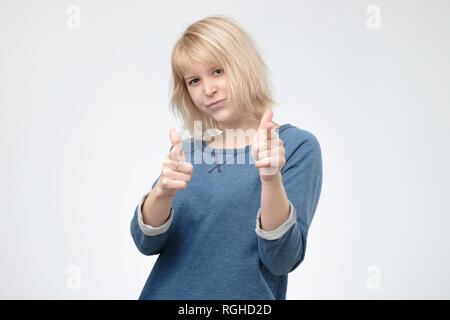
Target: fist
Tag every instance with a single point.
(176, 172)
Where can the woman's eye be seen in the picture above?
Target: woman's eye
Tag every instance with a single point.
(191, 82)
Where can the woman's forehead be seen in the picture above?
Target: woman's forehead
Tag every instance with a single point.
(199, 67)
(196, 65)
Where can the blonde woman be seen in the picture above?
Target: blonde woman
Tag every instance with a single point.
(229, 214)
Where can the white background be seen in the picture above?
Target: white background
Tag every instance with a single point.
(84, 124)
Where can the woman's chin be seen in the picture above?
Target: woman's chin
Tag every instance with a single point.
(220, 115)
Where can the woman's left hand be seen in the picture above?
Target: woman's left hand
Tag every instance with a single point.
(267, 149)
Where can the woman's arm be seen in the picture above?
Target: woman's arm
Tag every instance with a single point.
(274, 203)
(156, 208)
(283, 249)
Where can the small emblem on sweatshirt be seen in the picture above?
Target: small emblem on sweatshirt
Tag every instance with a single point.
(220, 164)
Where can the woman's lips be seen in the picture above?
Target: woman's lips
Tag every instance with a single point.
(216, 104)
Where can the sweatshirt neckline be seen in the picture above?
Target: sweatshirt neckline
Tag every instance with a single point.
(209, 150)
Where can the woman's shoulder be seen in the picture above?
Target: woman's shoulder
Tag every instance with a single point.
(292, 132)
(300, 146)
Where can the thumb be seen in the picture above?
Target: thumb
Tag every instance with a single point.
(266, 124)
(176, 142)
(266, 120)
(174, 137)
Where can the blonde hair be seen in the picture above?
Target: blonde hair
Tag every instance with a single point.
(220, 40)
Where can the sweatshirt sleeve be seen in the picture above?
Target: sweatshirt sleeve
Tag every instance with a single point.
(281, 230)
(302, 181)
(149, 240)
(147, 229)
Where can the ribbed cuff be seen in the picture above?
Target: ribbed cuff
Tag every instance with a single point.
(281, 230)
(147, 229)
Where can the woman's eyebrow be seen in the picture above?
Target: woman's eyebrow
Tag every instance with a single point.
(197, 75)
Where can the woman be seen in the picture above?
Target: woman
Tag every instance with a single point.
(234, 226)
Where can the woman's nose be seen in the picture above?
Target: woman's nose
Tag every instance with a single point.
(210, 88)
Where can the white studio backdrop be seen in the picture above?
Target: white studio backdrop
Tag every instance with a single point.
(84, 122)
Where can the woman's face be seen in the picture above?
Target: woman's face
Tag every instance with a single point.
(207, 84)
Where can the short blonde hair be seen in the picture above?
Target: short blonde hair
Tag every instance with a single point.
(220, 40)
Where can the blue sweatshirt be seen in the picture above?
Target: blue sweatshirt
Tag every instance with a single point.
(212, 246)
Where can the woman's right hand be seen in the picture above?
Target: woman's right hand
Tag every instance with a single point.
(176, 172)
